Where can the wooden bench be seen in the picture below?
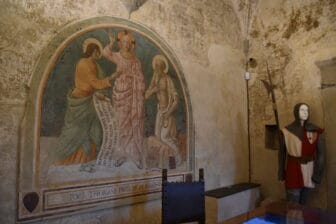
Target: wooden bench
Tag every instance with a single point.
(227, 202)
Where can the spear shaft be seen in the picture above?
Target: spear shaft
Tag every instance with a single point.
(275, 109)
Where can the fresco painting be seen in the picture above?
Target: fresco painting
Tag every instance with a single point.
(112, 109)
(141, 123)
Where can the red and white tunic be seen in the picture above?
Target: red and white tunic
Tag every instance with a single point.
(300, 158)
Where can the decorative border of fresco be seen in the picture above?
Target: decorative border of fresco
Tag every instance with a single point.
(96, 195)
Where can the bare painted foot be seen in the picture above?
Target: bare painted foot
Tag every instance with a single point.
(120, 161)
(139, 164)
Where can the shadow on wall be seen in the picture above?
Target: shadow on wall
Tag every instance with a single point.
(149, 213)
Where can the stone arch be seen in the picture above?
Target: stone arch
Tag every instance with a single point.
(38, 132)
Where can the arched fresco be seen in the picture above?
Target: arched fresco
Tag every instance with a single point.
(107, 109)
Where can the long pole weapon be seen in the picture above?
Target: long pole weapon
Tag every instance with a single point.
(275, 109)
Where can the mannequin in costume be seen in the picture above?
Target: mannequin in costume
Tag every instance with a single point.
(301, 156)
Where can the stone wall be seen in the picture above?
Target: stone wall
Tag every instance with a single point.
(291, 36)
(207, 37)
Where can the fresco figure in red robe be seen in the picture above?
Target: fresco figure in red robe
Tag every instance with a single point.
(128, 98)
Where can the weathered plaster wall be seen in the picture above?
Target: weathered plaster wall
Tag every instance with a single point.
(291, 36)
(210, 50)
(207, 38)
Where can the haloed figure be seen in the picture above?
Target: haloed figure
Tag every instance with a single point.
(81, 134)
(163, 87)
(128, 99)
(301, 156)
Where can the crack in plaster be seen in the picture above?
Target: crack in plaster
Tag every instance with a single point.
(133, 5)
